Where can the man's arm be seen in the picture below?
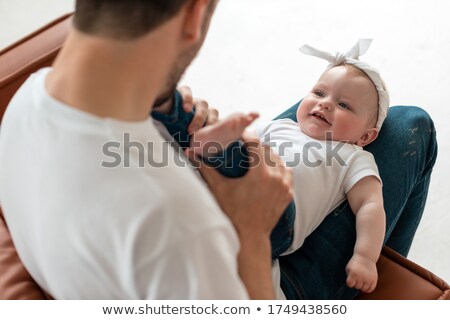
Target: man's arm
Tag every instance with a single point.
(253, 211)
(366, 201)
(254, 204)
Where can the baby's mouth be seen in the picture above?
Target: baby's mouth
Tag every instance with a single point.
(319, 116)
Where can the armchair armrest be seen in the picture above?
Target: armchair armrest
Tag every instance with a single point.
(402, 279)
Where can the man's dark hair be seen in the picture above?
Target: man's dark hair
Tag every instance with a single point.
(123, 19)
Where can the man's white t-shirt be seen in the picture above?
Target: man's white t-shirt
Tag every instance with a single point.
(323, 172)
(147, 228)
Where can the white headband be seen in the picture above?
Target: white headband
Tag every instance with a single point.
(351, 57)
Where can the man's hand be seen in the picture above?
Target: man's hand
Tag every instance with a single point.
(254, 204)
(361, 273)
(204, 115)
(256, 201)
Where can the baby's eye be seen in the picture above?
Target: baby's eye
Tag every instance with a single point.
(319, 93)
(344, 105)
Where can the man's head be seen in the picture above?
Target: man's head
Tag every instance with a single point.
(344, 101)
(132, 20)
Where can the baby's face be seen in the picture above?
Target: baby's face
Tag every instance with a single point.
(342, 102)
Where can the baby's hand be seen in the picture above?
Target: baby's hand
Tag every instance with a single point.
(361, 273)
(211, 139)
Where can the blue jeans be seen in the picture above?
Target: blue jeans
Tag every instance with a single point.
(405, 152)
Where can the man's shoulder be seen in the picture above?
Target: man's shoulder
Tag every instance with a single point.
(25, 95)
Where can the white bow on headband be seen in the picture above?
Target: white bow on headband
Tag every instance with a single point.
(352, 57)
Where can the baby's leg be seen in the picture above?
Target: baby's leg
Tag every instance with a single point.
(212, 139)
(220, 147)
(231, 162)
(208, 141)
(283, 233)
(176, 123)
(218, 143)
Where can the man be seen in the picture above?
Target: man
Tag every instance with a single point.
(133, 231)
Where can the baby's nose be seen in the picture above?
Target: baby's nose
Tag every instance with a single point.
(326, 104)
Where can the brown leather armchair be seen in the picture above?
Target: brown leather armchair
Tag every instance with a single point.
(399, 278)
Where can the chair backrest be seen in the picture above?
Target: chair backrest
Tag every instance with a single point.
(17, 62)
(28, 55)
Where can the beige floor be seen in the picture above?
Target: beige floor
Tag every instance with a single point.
(251, 61)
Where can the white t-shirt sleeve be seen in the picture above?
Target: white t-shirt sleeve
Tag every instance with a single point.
(360, 165)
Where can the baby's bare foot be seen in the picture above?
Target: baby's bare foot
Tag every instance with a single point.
(214, 138)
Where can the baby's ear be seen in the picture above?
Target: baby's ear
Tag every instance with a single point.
(369, 136)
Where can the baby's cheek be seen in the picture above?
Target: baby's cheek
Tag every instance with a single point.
(351, 130)
(344, 129)
(299, 112)
(302, 111)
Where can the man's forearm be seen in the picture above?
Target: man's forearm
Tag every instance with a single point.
(255, 268)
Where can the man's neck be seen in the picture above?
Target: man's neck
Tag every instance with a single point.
(109, 78)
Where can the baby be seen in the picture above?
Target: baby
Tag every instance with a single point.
(343, 113)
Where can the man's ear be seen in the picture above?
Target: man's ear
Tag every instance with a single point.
(194, 19)
(369, 136)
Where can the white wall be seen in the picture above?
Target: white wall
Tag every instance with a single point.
(19, 17)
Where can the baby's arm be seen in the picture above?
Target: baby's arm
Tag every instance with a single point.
(366, 200)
